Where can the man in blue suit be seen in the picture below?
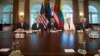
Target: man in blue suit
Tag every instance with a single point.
(22, 25)
(38, 26)
(52, 25)
(84, 25)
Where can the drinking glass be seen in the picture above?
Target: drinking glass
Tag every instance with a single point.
(82, 48)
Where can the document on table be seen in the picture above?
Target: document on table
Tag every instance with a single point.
(59, 30)
(19, 31)
(35, 30)
(69, 50)
(53, 31)
(4, 49)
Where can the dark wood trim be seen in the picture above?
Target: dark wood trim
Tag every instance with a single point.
(76, 11)
(27, 11)
(86, 10)
(15, 11)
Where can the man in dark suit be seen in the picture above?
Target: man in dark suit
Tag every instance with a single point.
(84, 25)
(38, 26)
(22, 25)
(52, 25)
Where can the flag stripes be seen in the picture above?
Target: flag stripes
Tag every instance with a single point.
(43, 20)
(42, 17)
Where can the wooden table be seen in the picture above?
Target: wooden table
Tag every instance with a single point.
(49, 44)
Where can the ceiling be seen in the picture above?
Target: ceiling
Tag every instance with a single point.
(11, 1)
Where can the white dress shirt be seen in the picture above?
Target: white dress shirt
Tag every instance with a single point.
(37, 25)
(69, 26)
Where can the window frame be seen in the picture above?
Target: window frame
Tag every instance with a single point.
(93, 13)
(33, 20)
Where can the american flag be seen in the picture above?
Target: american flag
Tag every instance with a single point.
(42, 17)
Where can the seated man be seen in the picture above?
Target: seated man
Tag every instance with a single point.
(38, 26)
(68, 25)
(52, 25)
(84, 25)
(21, 25)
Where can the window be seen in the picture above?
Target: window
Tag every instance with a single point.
(34, 11)
(7, 14)
(93, 15)
(67, 11)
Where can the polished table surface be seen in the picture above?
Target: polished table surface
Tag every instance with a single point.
(49, 44)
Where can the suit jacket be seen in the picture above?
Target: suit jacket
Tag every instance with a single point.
(40, 26)
(54, 26)
(85, 26)
(71, 26)
(25, 26)
(1, 27)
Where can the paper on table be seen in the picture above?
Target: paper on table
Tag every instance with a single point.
(34, 30)
(69, 50)
(4, 49)
(53, 31)
(19, 31)
(30, 31)
(59, 30)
